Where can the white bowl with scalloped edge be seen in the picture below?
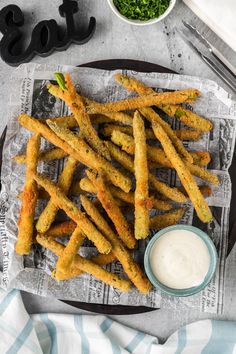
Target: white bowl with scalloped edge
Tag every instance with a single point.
(139, 22)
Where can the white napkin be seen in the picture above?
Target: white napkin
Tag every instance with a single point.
(73, 334)
(219, 15)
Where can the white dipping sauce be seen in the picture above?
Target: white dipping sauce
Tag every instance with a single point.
(180, 259)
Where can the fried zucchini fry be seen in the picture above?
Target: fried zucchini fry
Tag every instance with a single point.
(122, 254)
(97, 119)
(171, 193)
(135, 85)
(36, 126)
(188, 117)
(201, 158)
(109, 204)
(126, 142)
(49, 213)
(77, 107)
(187, 134)
(93, 160)
(126, 161)
(153, 117)
(69, 121)
(122, 157)
(62, 229)
(203, 174)
(144, 101)
(141, 194)
(157, 155)
(86, 185)
(29, 198)
(101, 260)
(202, 209)
(65, 260)
(158, 222)
(182, 134)
(46, 155)
(85, 265)
(205, 190)
(120, 117)
(108, 129)
(131, 84)
(62, 202)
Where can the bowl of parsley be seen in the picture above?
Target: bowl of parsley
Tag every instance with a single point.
(141, 12)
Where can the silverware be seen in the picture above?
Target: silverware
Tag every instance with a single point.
(210, 55)
(220, 57)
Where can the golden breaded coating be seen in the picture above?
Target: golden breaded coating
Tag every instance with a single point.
(188, 117)
(141, 194)
(205, 190)
(201, 158)
(94, 160)
(46, 155)
(187, 134)
(171, 193)
(91, 158)
(69, 121)
(202, 209)
(155, 154)
(77, 107)
(110, 205)
(49, 213)
(126, 161)
(203, 174)
(153, 117)
(85, 265)
(62, 202)
(159, 222)
(126, 142)
(29, 198)
(62, 229)
(182, 134)
(101, 260)
(134, 85)
(75, 242)
(86, 185)
(120, 117)
(122, 157)
(134, 103)
(35, 126)
(131, 268)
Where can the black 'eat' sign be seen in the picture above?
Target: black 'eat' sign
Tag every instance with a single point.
(45, 36)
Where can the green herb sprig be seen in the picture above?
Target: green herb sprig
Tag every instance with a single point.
(142, 10)
(60, 80)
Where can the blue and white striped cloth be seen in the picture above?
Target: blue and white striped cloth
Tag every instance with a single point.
(72, 334)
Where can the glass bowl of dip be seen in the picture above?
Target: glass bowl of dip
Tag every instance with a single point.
(180, 260)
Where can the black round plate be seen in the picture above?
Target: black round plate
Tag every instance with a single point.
(142, 66)
(134, 65)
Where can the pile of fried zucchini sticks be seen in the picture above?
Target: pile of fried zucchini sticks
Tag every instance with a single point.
(120, 136)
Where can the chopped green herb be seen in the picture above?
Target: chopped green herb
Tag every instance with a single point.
(60, 80)
(142, 10)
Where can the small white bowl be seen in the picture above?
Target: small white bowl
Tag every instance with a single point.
(138, 22)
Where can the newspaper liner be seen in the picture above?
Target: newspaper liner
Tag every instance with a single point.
(32, 273)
